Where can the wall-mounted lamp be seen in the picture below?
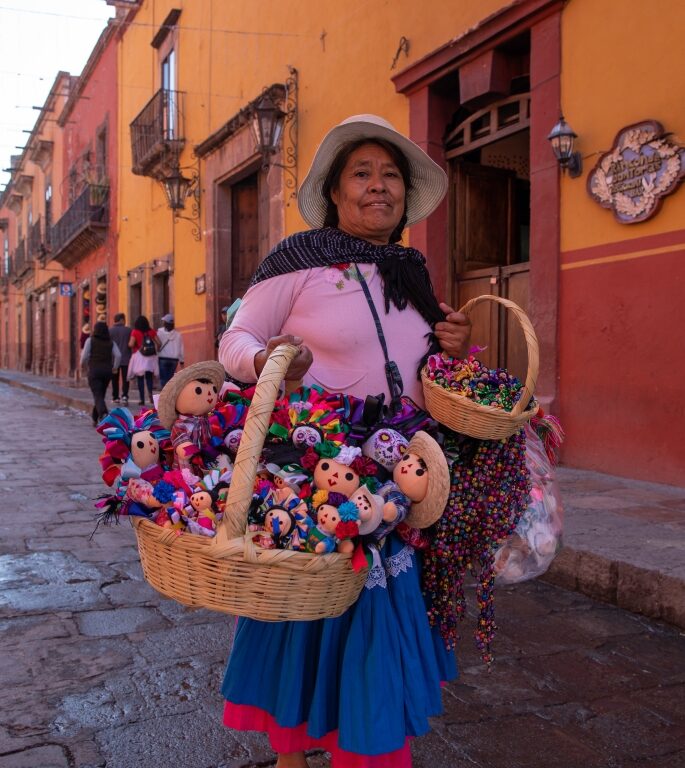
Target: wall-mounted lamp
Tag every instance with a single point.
(178, 188)
(267, 126)
(269, 122)
(561, 137)
(179, 184)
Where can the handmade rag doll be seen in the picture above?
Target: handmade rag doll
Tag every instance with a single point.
(418, 492)
(337, 522)
(186, 406)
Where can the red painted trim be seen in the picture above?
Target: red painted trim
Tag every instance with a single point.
(504, 24)
(661, 240)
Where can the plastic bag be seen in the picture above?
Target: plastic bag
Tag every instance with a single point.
(529, 551)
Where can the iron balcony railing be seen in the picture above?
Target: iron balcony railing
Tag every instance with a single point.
(82, 224)
(157, 132)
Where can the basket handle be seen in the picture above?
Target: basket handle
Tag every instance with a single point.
(234, 521)
(531, 342)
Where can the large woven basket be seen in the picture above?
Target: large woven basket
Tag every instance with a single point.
(484, 421)
(228, 573)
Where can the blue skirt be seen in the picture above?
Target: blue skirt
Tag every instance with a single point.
(373, 675)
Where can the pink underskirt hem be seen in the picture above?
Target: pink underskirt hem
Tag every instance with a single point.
(243, 717)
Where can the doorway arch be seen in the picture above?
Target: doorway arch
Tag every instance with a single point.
(488, 155)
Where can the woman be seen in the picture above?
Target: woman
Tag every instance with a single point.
(103, 357)
(143, 366)
(334, 683)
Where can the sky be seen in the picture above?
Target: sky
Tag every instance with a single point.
(38, 38)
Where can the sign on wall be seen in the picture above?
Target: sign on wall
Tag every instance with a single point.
(642, 167)
(66, 289)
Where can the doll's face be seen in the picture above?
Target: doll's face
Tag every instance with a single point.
(144, 449)
(412, 476)
(327, 518)
(200, 500)
(330, 475)
(196, 398)
(278, 522)
(370, 509)
(305, 437)
(232, 440)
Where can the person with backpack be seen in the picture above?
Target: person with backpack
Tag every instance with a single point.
(144, 365)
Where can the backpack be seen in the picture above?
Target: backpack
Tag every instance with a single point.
(148, 347)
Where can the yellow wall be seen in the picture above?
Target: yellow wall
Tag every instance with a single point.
(227, 52)
(622, 63)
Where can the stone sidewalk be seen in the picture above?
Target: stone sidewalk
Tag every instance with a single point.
(624, 540)
(100, 671)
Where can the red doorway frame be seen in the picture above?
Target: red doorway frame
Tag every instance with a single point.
(429, 113)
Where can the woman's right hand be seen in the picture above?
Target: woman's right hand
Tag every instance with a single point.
(299, 365)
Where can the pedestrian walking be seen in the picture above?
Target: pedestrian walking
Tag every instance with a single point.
(170, 352)
(363, 684)
(102, 358)
(120, 334)
(144, 364)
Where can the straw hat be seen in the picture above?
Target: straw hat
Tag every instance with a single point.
(426, 512)
(166, 405)
(429, 181)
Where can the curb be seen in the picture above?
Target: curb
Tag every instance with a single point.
(635, 589)
(57, 397)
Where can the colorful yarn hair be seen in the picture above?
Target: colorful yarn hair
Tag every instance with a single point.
(117, 429)
(312, 407)
(489, 487)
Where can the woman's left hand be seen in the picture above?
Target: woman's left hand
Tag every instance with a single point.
(454, 333)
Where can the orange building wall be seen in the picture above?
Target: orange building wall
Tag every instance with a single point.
(343, 54)
(622, 370)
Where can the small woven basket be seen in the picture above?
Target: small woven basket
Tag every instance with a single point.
(229, 573)
(467, 417)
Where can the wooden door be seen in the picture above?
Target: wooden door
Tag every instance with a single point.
(244, 234)
(486, 257)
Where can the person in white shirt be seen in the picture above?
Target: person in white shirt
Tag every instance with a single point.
(170, 353)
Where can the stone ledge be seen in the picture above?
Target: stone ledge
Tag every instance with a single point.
(635, 589)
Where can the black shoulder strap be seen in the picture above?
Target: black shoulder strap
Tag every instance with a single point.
(392, 372)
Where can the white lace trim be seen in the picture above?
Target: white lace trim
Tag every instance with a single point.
(393, 566)
(401, 562)
(376, 577)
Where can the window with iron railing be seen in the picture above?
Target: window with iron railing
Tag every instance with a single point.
(35, 240)
(90, 207)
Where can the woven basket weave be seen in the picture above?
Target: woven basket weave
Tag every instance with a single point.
(228, 573)
(462, 414)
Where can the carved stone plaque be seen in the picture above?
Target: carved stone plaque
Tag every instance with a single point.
(642, 167)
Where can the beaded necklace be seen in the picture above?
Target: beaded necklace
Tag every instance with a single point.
(488, 493)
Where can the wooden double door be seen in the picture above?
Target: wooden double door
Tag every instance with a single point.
(489, 247)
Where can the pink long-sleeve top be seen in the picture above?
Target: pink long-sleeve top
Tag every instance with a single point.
(327, 308)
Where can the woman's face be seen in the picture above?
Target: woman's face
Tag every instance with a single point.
(370, 195)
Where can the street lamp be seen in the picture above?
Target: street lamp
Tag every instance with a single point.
(273, 115)
(177, 188)
(562, 137)
(267, 125)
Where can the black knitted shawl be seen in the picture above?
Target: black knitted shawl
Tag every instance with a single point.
(405, 276)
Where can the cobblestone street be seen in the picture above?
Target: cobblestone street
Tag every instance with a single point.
(100, 670)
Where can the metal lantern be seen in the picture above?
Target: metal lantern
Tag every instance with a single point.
(267, 125)
(177, 188)
(562, 138)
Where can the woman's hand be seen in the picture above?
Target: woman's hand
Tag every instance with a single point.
(454, 333)
(300, 363)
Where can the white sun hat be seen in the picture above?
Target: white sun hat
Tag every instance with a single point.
(428, 180)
